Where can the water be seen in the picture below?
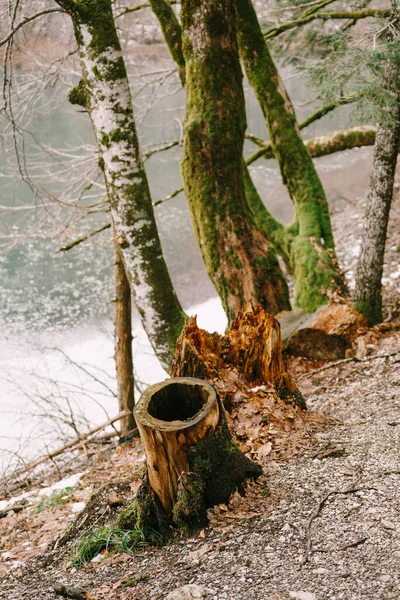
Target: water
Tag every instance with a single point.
(56, 342)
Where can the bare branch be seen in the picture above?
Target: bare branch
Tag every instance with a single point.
(169, 197)
(84, 238)
(28, 20)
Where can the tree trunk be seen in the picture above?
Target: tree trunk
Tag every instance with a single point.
(314, 265)
(172, 33)
(368, 290)
(123, 343)
(239, 261)
(193, 462)
(104, 91)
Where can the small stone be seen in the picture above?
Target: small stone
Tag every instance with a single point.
(303, 596)
(188, 592)
(388, 524)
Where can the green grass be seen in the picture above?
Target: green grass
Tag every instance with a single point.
(57, 498)
(107, 538)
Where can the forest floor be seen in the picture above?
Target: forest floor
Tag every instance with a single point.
(322, 523)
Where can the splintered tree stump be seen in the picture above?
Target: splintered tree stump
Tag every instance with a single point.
(251, 351)
(193, 462)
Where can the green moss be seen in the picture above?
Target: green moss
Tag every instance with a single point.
(315, 269)
(79, 95)
(172, 33)
(134, 579)
(371, 309)
(140, 514)
(216, 468)
(97, 16)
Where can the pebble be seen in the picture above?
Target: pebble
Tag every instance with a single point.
(388, 524)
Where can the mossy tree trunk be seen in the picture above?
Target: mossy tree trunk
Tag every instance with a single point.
(311, 249)
(240, 262)
(368, 290)
(172, 33)
(104, 90)
(123, 343)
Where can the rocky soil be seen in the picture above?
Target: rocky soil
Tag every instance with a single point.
(325, 527)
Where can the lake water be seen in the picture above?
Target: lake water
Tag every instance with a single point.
(56, 342)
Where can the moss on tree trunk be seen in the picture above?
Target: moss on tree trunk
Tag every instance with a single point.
(172, 33)
(108, 101)
(241, 263)
(312, 254)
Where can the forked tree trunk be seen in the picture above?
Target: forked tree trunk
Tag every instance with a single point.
(192, 460)
(123, 343)
(104, 91)
(271, 279)
(239, 260)
(312, 253)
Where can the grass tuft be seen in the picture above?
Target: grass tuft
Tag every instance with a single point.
(108, 538)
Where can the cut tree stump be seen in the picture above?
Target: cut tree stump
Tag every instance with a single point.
(327, 334)
(193, 462)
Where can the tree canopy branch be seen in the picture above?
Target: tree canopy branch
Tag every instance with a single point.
(354, 15)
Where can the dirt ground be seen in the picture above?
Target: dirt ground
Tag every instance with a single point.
(320, 524)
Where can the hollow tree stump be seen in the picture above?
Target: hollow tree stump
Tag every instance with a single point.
(193, 462)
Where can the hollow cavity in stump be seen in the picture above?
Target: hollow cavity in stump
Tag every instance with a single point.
(193, 462)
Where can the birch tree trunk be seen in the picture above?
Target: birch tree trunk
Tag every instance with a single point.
(368, 290)
(240, 262)
(312, 251)
(123, 343)
(104, 90)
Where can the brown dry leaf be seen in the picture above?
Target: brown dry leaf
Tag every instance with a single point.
(264, 450)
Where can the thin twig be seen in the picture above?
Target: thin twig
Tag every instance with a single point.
(344, 361)
(77, 440)
(83, 238)
(315, 513)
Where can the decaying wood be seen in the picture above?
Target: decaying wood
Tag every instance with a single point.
(326, 334)
(265, 408)
(252, 349)
(192, 460)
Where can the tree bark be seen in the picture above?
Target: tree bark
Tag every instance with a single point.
(312, 253)
(240, 262)
(327, 334)
(104, 91)
(123, 343)
(368, 289)
(193, 462)
(172, 33)
(323, 145)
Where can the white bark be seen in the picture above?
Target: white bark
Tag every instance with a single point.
(110, 107)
